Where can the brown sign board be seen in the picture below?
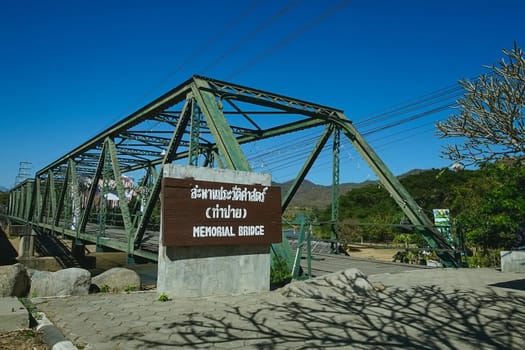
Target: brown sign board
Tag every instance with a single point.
(198, 212)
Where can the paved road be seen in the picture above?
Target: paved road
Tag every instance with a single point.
(418, 309)
(328, 263)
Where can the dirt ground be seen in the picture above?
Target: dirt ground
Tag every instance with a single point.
(22, 339)
(382, 254)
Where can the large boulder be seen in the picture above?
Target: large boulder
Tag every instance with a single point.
(338, 285)
(14, 281)
(72, 281)
(117, 279)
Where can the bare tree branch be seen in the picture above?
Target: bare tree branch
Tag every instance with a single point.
(490, 121)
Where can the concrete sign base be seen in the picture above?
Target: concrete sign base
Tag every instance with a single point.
(199, 271)
(513, 261)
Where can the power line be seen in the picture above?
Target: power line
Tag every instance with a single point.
(407, 119)
(197, 52)
(444, 98)
(439, 96)
(288, 156)
(244, 40)
(208, 43)
(332, 10)
(422, 102)
(382, 138)
(274, 156)
(401, 139)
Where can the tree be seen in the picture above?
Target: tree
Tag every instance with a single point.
(490, 205)
(4, 199)
(490, 122)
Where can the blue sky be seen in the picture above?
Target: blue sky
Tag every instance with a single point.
(70, 69)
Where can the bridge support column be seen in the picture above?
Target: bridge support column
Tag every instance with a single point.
(26, 248)
(78, 249)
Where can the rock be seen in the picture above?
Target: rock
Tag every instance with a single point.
(72, 281)
(14, 281)
(434, 263)
(13, 315)
(334, 285)
(117, 279)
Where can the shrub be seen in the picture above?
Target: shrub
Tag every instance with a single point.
(484, 258)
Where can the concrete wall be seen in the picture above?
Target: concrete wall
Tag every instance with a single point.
(213, 270)
(41, 263)
(513, 261)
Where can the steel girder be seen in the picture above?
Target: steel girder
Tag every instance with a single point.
(67, 194)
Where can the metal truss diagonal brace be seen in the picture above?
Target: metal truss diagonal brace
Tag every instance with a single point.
(37, 201)
(397, 191)
(61, 199)
(75, 192)
(336, 149)
(52, 193)
(123, 204)
(93, 190)
(227, 144)
(168, 157)
(306, 168)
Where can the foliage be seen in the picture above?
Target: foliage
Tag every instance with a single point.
(130, 288)
(4, 199)
(413, 256)
(31, 308)
(485, 258)
(368, 204)
(405, 238)
(163, 297)
(350, 231)
(489, 203)
(280, 272)
(370, 213)
(491, 121)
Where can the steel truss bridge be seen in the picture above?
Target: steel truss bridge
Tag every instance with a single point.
(203, 122)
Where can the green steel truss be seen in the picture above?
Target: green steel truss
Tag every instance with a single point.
(86, 194)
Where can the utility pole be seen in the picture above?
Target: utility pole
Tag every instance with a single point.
(24, 170)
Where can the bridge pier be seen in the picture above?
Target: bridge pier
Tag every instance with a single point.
(78, 249)
(26, 247)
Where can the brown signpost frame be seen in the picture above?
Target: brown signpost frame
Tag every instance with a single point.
(215, 213)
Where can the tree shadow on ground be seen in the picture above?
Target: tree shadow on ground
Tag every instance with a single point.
(515, 284)
(423, 317)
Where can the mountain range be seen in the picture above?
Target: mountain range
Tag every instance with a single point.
(311, 195)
